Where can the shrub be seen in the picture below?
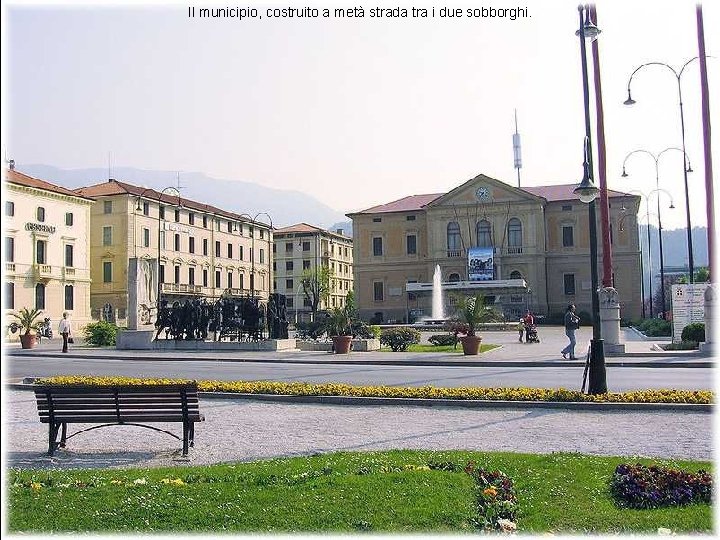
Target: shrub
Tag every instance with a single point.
(310, 330)
(655, 327)
(682, 346)
(443, 340)
(101, 334)
(399, 339)
(363, 330)
(694, 332)
(640, 486)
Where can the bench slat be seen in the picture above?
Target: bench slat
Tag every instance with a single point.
(111, 407)
(43, 402)
(123, 418)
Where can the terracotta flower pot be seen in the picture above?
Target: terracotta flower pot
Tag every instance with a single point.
(471, 344)
(28, 341)
(342, 344)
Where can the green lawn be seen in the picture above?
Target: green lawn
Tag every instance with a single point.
(341, 492)
(441, 348)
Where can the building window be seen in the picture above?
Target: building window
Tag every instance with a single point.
(515, 275)
(146, 209)
(290, 302)
(107, 272)
(205, 224)
(177, 215)
(9, 208)
(69, 255)
(161, 277)
(162, 212)
(162, 239)
(274, 248)
(514, 233)
(252, 257)
(107, 207)
(240, 228)
(274, 266)
(9, 249)
(69, 219)
(289, 247)
(217, 248)
(262, 256)
(69, 297)
(41, 255)
(146, 237)
(40, 296)
(242, 281)
(177, 242)
(411, 244)
(40, 214)
(205, 277)
(217, 279)
(107, 236)
(229, 281)
(453, 236)
(229, 226)
(410, 218)
(191, 244)
(191, 275)
(306, 265)
(484, 234)
(306, 246)
(569, 283)
(567, 236)
(191, 218)
(289, 265)
(205, 247)
(454, 277)
(289, 284)
(377, 246)
(229, 251)
(177, 275)
(378, 292)
(240, 248)
(306, 302)
(9, 295)
(377, 220)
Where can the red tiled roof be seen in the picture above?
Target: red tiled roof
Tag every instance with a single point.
(298, 228)
(16, 177)
(563, 192)
(115, 187)
(406, 204)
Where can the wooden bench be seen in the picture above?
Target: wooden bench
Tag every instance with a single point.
(129, 405)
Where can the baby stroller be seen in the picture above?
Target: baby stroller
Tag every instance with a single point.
(531, 334)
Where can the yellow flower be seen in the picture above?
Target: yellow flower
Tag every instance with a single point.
(36, 486)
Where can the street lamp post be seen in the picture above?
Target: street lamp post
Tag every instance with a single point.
(588, 192)
(642, 271)
(253, 221)
(686, 163)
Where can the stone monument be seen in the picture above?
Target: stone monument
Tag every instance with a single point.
(610, 320)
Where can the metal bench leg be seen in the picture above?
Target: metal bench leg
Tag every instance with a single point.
(192, 434)
(52, 435)
(186, 433)
(63, 435)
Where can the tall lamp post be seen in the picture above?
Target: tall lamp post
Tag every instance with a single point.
(253, 221)
(642, 271)
(686, 163)
(588, 192)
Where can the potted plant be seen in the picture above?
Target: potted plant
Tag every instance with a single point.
(339, 328)
(472, 312)
(27, 321)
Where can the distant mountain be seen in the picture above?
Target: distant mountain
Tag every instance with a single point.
(674, 248)
(346, 227)
(285, 207)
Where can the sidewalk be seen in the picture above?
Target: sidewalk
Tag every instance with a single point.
(639, 353)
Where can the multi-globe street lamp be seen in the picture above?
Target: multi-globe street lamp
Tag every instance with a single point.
(686, 162)
(253, 222)
(588, 192)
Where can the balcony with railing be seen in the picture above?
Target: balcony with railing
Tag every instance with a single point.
(181, 288)
(10, 267)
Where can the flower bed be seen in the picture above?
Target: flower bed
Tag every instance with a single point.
(495, 498)
(421, 392)
(641, 486)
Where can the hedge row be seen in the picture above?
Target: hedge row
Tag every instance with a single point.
(427, 392)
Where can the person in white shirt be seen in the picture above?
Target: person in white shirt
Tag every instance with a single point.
(64, 329)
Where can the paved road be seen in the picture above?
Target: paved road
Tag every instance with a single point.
(237, 430)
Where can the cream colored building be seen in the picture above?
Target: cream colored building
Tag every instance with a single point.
(537, 237)
(203, 250)
(47, 260)
(306, 247)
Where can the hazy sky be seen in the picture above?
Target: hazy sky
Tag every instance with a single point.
(357, 111)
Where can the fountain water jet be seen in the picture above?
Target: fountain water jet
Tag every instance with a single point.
(437, 301)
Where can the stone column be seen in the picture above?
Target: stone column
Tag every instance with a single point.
(711, 304)
(610, 320)
(142, 290)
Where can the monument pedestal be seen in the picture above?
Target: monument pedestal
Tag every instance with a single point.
(135, 339)
(710, 298)
(610, 320)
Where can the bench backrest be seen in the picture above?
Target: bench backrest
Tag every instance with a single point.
(124, 403)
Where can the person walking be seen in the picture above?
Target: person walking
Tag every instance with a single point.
(521, 329)
(65, 330)
(572, 323)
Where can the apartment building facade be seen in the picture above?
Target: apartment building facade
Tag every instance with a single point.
(535, 241)
(203, 251)
(47, 260)
(303, 247)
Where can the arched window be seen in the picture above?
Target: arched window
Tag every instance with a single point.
(514, 233)
(40, 296)
(454, 277)
(484, 236)
(515, 275)
(453, 236)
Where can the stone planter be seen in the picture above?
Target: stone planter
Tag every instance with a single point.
(471, 345)
(28, 341)
(342, 344)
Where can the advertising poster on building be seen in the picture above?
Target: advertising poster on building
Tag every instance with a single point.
(480, 264)
(688, 306)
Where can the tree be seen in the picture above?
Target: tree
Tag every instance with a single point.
(316, 285)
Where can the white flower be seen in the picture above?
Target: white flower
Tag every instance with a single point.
(506, 525)
(140, 481)
(662, 531)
